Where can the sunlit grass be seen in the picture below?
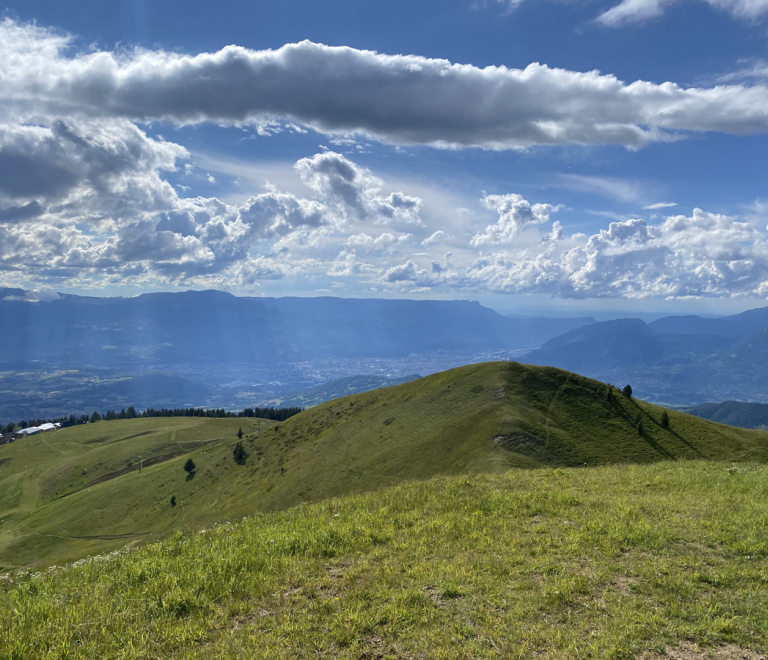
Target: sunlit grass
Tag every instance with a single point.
(559, 563)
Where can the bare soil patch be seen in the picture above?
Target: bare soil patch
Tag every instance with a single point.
(522, 443)
(690, 651)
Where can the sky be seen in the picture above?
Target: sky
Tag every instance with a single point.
(560, 155)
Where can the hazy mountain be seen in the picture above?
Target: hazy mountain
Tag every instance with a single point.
(674, 368)
(623, 343)
(215, 327)
(738, 325)
(734, 413)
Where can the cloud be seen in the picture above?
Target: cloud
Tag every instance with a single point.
(99, 165)
(434, 239)
(85, 200)
(515, 214)
(42, 294)
(408, 273)
(757, 70)
(367, 243)
(355, 192)
(638, 11)
(30, 210)
(631, 11)
(702, 255)
(399, 99)
(145, 231)
(611, 187)
(660, 205)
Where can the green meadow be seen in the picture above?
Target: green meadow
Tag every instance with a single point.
(591, 562)
(78, 491)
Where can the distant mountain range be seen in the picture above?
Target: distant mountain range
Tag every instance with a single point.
(213, 327)
(738, 325)
(734, 413)
(228, 351)
(677, 360)
(62, 354)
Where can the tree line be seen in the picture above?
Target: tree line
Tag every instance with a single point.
(276, 414)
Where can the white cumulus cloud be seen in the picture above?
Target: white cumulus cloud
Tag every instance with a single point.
(515, 214)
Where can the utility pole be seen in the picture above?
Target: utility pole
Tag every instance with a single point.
(140, 463)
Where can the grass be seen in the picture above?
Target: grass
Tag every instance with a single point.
(596, 562)
(486, 418)
(53, 503)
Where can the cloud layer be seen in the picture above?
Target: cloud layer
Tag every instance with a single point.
(85, 197)
(400, 99)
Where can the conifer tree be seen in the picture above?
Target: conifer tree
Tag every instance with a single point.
(189, 466)
(627, 391)
(664, 420)
(239, 453)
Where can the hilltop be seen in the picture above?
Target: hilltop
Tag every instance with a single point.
(485, 418)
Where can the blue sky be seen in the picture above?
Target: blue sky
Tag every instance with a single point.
(134, 162)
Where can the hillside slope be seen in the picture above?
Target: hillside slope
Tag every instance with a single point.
(599, 563)
(480, 418)
(64, 473)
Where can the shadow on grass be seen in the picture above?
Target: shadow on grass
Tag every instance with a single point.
(654, 444)
(644, 434)
(191, 475)
(685, 442)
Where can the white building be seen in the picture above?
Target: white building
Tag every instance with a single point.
(30, 430)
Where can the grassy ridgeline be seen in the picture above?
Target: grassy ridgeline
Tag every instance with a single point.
(483, 418)
(597, 562)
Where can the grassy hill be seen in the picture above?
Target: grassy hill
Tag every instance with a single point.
(483, 418)
(609, 562)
